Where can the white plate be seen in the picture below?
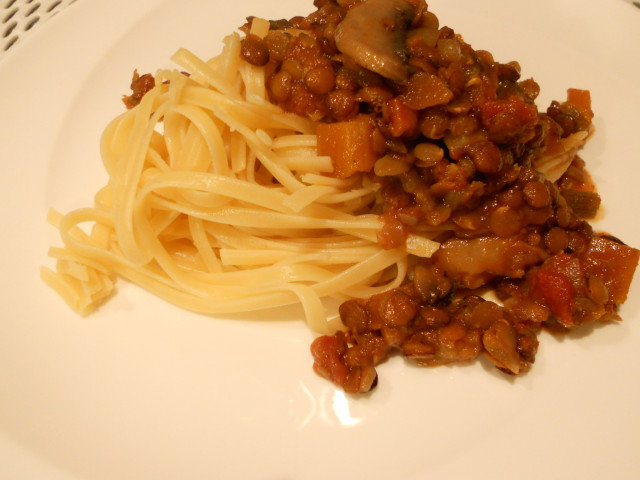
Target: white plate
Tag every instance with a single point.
(143, 390)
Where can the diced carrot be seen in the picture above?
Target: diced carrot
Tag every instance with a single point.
(581, 99)
(348, 144)
(614, 263)
(426, 90)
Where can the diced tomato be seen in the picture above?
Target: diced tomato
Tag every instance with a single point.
(401, 118)
(327, 352)
(556, 291)
(514, 105)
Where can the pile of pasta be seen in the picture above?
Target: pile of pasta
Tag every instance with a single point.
(218, 202)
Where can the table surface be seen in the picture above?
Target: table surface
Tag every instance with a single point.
(20, 18)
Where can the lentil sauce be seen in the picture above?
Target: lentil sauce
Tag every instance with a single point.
(457, 144)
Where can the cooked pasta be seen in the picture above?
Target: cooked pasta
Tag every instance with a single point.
(218, 202)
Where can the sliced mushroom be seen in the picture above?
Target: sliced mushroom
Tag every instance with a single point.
(373, 35)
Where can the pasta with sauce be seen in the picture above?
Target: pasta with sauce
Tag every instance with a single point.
(363, 153)
(218, 201)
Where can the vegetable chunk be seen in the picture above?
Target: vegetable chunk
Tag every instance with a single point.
(349, 146)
